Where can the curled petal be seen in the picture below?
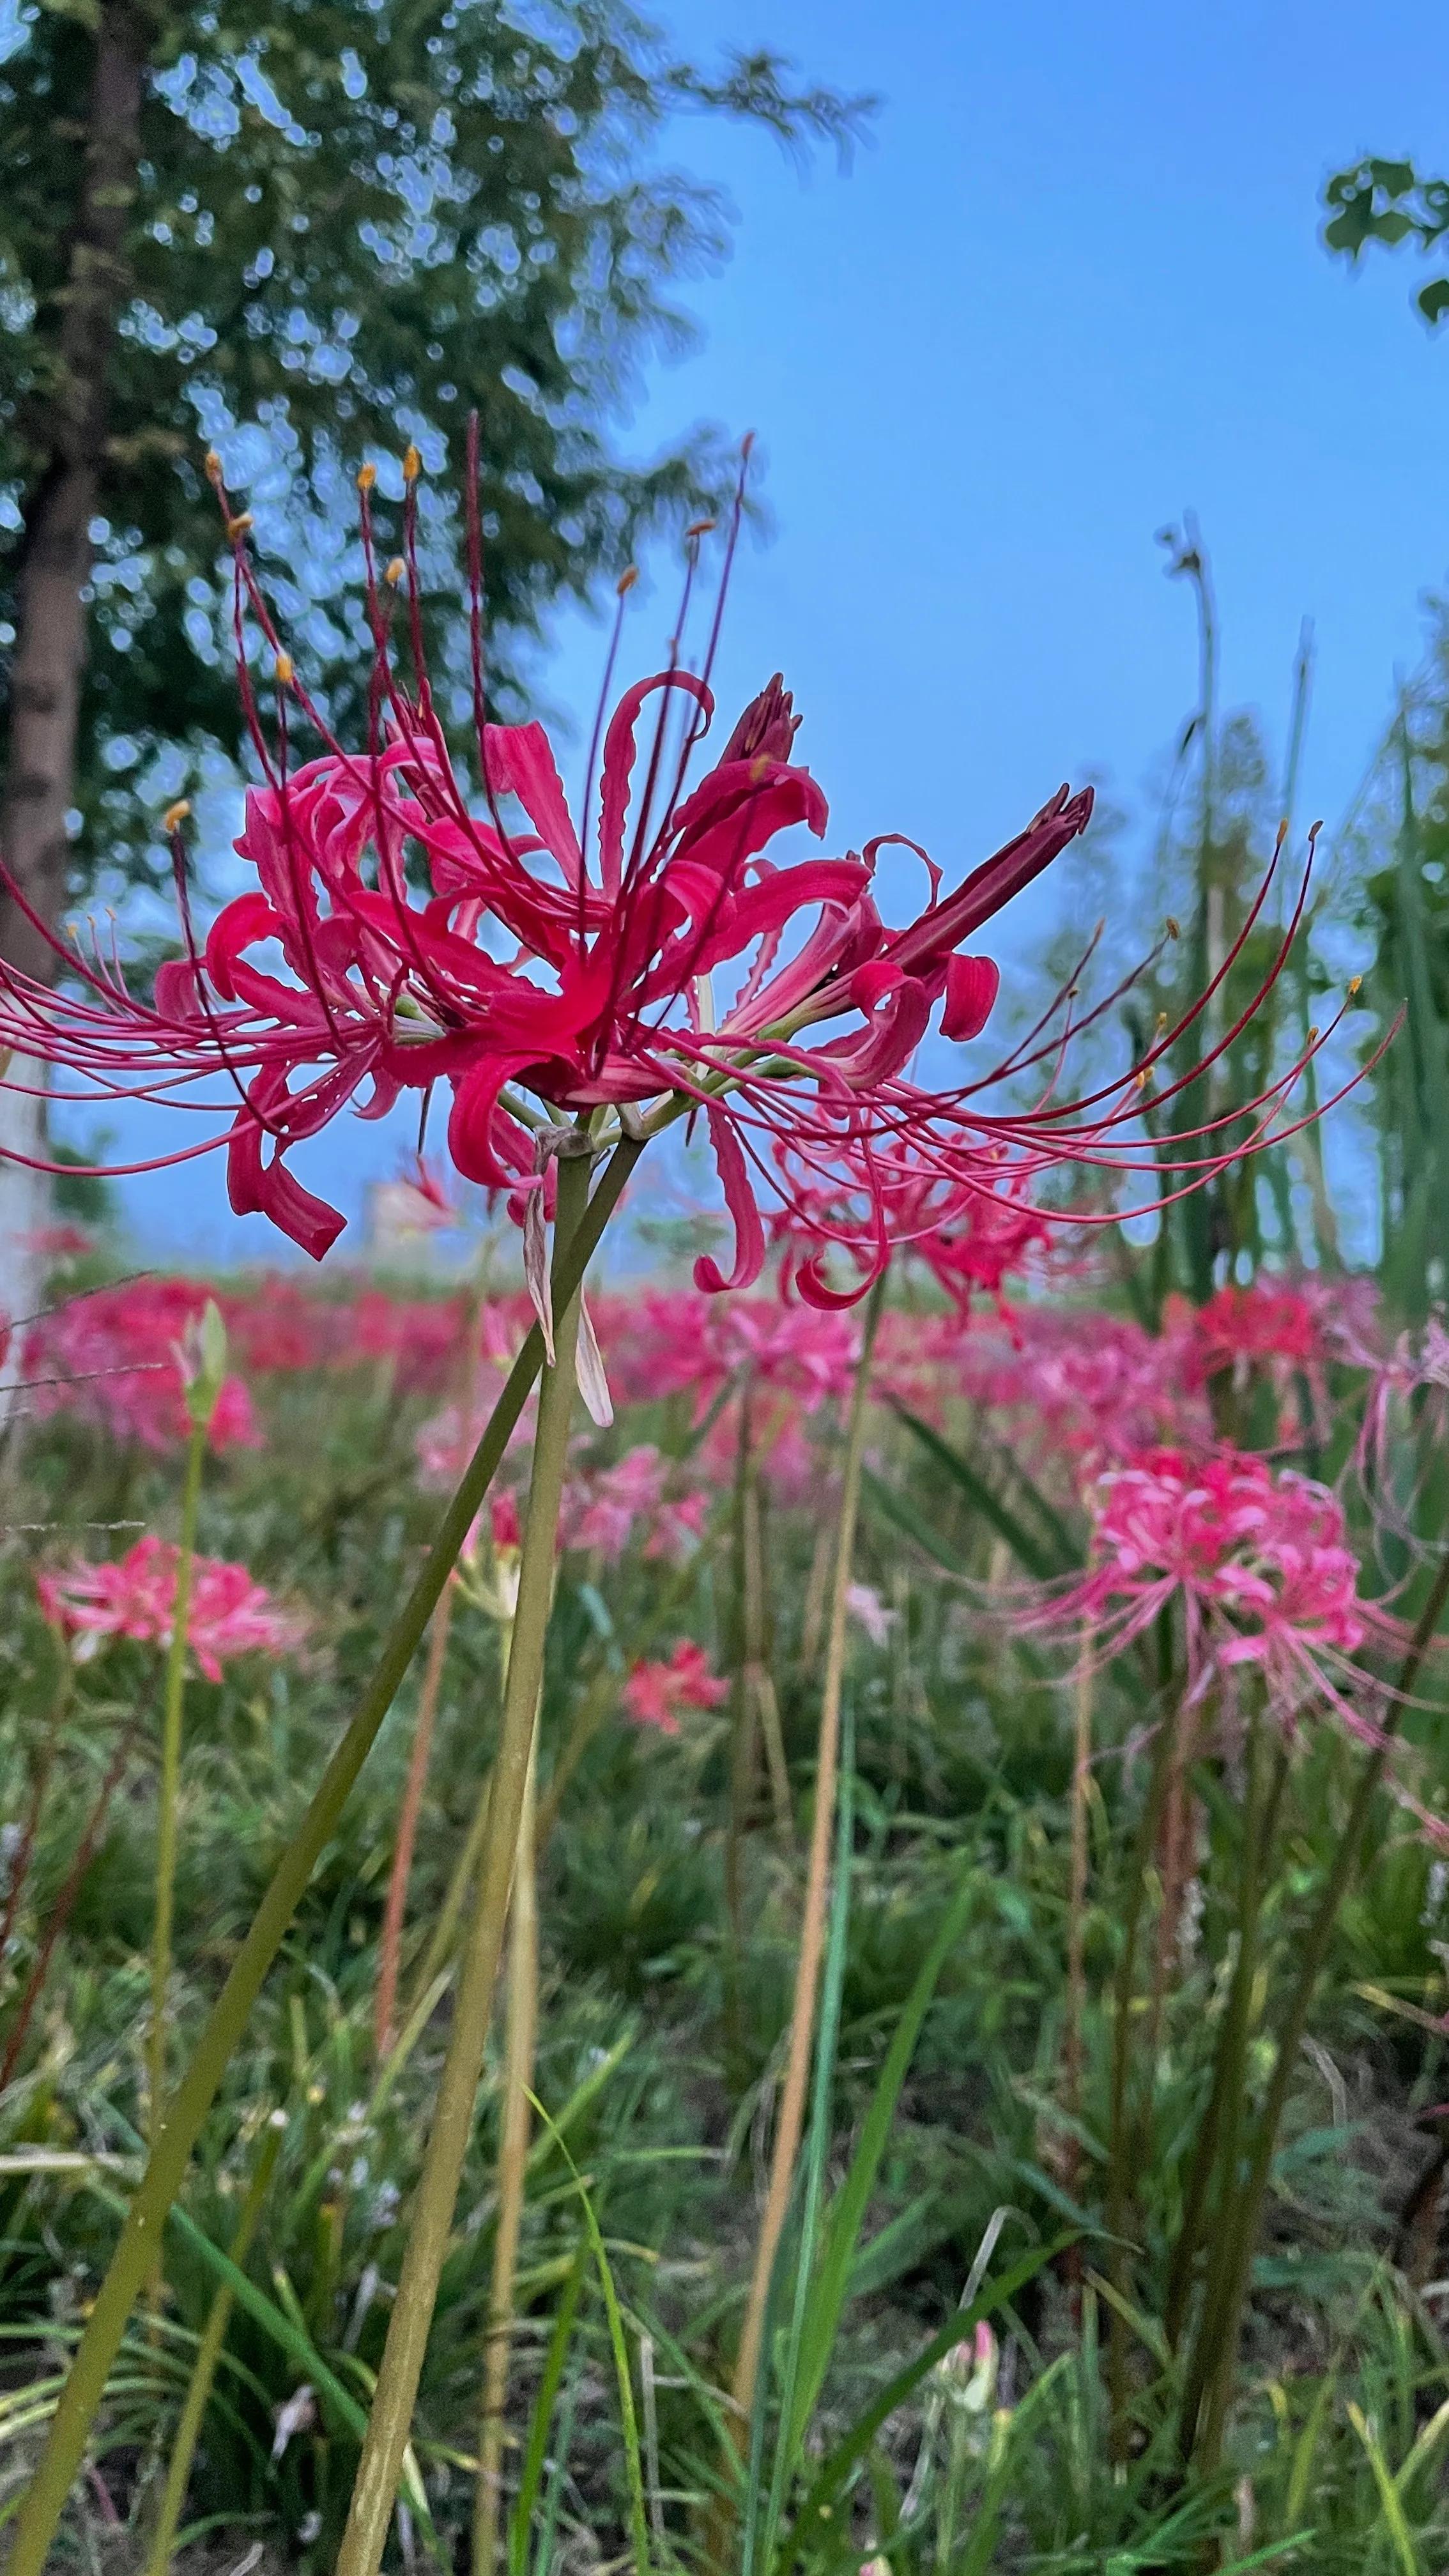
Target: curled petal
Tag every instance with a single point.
(740, 1200)
(972, 984)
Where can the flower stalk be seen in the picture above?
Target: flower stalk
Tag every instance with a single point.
(169, 1784)
(519, 2047)
(817, 1888)
(390, 2421)
(191, 2101)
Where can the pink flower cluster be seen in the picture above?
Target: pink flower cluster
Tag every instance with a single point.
(1257, 1557)
(110, 1360)
(656, 1694)
(604, 1506)
(135, 1596)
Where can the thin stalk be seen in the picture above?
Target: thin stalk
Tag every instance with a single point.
(1220, 2361)
(208, 2354)
(1118, 2139)
(192, 2099)
(169, 1789)
(390, 1945)
(1077, 1908)
(759, 1681)
(817, 1887)
(445, 1931)
(390, 2421)
(519, 2048)
(744, 1725)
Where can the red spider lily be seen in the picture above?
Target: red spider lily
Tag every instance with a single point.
(656, 1694)
(578, 963)
(111, 1359)
(1257, 1557)
(229, 1614)
(1084, 1391)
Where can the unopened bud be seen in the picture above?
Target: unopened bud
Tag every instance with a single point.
(626, 580)
(284, 671)
(395, 570)
(968, 2371)
(201, 1356)
(412, 463)
(880, 2565)
(175, 815)
(237, 526)
(366, 477)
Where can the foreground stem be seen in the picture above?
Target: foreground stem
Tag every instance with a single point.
(169, 1789)
(189, 2105)
(817, 1888)
(390, 2421)
(522, 2034)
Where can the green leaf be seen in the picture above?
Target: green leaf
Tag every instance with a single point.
(1041, 1556)
(831, 2285)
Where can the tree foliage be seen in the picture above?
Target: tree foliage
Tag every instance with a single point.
(1390, 202)
(351, 221)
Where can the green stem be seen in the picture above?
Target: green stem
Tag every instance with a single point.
(817, 1889)
(390, 2422)
(170, 1782)
(208, 2354)
(1220, 2362)
(514, 2122)
(189, 2105)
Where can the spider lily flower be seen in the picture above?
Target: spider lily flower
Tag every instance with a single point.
(651, 956)
(656, 1694)
(135, 1596)
(1259, 1561)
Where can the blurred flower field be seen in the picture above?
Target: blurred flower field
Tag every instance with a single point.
(1127, 1612)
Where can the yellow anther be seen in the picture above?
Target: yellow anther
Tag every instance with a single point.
(237, 527)
(412, 463)
(395, 569)
(627, 580)
(175, 815)
(1139, 1079)
(1161, 1023)
(366, 477)
(1172, 929)
(1355, 985)
(1313, 1036)
(283, 670)
(700, 527)
(213, 466)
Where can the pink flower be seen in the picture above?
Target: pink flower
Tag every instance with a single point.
(654, 1694)
(662, 953)
(229, 1614)
(111, 1359)
(603, 1507)
(1258, 1558)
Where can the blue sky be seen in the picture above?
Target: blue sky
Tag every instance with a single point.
(1073, 285)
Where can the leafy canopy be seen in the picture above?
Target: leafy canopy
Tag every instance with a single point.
(353, 220)
(1390, 202)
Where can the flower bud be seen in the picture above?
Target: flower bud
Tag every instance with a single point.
(968, 2371)
(201, 1356)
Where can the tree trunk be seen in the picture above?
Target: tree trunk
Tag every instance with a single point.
(55, 566)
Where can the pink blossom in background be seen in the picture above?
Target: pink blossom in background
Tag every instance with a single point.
(503, 1520)
(1081, 1390)
(1258, 1558)
(603, 1507)
(135, 1596)
(109, 1359)
(657, 1694)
